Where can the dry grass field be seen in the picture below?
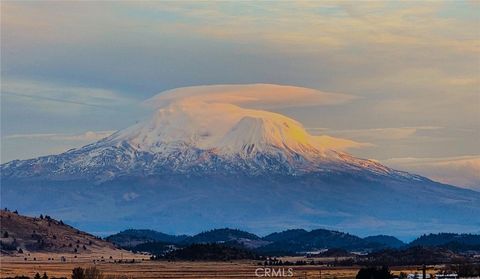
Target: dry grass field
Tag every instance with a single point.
(12, 266)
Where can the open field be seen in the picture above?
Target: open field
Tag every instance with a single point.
(161, 269)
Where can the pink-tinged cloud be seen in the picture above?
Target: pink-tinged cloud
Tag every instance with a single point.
(265, 96)
(461, 171)
(216, 110)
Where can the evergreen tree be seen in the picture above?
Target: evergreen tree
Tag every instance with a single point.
(374, 273)
(93, 273)
(78, 273)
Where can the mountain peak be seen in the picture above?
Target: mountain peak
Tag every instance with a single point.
(188, 136)
(207, 161)
(221, 128)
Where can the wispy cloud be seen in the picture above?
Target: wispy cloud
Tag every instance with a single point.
(340, 143)
(461, 170)
(88, 136)
(375, 134)
(317, 25)
(309, 25)
(48, 96)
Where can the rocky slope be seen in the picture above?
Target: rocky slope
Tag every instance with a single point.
(44, 234)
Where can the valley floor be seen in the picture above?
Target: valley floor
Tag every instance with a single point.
(12, 266)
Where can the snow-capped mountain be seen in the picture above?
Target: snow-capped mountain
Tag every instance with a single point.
(197, 136)
(201, 162)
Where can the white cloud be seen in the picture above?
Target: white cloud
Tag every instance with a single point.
(265, 96)
(461, 171)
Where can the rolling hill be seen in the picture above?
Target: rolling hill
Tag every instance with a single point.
(133, 237)
(452, 241)
(386, 241)
(22, 234)
(444, 238)
(285, 235)
(313, 241)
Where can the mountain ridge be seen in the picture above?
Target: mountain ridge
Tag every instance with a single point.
(448, 239)
(296, 241)
(250, 142)
(132, 237)
(386, 240)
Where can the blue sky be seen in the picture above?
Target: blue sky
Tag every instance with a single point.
(72, 72)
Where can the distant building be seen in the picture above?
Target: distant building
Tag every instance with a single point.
(446, 276)
(313, 253)
(418, 276)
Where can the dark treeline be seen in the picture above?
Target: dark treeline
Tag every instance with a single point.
(290, 242)
(410, 256)
(208, 252)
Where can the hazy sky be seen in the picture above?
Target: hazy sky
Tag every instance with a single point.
(72, 72)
